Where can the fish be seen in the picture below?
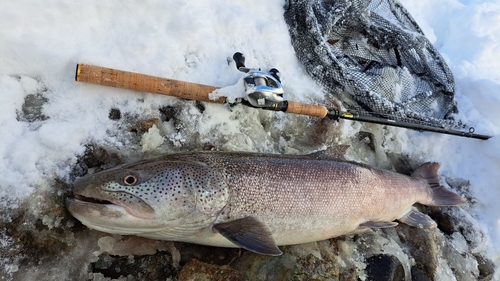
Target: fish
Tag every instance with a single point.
(253, 201)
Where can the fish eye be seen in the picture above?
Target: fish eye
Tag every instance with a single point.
(130, 179)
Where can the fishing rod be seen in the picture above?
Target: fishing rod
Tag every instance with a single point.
(263, 90)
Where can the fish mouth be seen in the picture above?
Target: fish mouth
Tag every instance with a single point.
(84, 205)
(107, 216)
(106, 204)
(93, 200)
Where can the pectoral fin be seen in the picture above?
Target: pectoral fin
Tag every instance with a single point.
(377, 224)
(417, 219)
(251, 234)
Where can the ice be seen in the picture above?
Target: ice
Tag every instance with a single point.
(459, 243)
(151, 139)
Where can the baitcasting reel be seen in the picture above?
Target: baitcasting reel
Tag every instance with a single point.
(263, 89)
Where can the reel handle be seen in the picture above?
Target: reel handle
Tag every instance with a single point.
(239, 59)
(275, 73)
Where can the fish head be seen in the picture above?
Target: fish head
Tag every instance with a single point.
(148, 196)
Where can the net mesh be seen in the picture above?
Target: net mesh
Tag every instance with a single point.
(372, 56)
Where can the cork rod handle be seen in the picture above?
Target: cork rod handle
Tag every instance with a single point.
(306, 109)
(144, 83)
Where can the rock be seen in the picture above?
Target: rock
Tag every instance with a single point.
(34, 101)
(43, 242)
(316, 261)
(366, 138)
(384, 268)
(32, 108)
(95, 156)
(115, 114)
(168, 113)
(207, 254)
(147, 267)
(423, 248)
(142, 126)
(258, 267)
(200, 271)
(386, 254)
(418, 275)
(486, 268)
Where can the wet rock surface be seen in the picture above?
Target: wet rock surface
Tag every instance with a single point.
(402, 253)
(146, 267)
(42, 241)
(384, 268)
(197, 270)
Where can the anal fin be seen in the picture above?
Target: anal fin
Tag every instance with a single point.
(417, 219)
(250, 234)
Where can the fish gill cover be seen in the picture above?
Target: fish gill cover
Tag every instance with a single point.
(371, 55)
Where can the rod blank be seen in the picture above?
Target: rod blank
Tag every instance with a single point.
(335, 114)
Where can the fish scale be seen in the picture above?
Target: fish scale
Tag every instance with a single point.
(253, 201)
(307, 193)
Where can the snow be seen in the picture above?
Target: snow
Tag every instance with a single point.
(42, 41)
(467, 33)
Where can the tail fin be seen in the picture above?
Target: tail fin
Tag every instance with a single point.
(440, 196)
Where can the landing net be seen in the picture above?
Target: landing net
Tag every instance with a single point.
(374, 58)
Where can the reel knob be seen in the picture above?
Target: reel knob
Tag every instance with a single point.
(239, 59)
(275, 73)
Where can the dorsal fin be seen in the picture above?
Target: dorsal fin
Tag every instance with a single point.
(428, 171)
